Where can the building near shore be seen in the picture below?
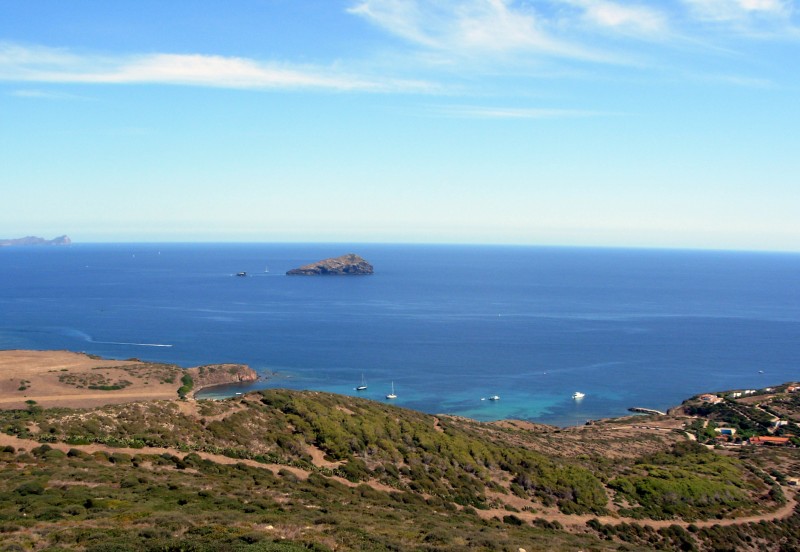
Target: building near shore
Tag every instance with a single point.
(774, 441)
(710, 398)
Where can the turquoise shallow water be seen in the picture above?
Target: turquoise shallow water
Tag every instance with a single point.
(449, 325)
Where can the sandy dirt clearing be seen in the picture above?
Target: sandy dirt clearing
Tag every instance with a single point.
(63, 379)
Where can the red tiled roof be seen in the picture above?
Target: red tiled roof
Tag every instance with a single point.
(771, 440)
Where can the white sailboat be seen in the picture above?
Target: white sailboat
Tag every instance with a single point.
(391, 395)
(363, 385)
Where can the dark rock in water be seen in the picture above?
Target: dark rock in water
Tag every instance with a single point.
(345, 265)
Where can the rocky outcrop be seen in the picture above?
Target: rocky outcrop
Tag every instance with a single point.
(346, 265)
(221, 374)
(34, 240)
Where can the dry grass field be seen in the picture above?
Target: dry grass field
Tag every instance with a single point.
(77, 380)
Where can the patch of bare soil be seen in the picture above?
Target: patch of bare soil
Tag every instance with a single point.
(77, 380)
(630, 438)
(318, 458)
(530, 511)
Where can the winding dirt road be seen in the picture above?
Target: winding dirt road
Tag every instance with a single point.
(518, 503)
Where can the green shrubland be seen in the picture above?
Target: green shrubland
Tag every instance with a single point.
(405, 481)
(689, 481)
(369, 440)
(168, 502)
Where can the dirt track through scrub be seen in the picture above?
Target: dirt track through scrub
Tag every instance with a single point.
(28, 444)
(518, 503)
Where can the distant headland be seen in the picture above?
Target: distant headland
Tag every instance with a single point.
(35, 240)
(78, 380)
(346, 265)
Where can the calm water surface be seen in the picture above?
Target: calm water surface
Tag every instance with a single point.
(449, 325)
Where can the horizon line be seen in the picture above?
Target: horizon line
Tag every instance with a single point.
(732, 249)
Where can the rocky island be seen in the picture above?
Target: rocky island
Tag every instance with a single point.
(346, 265)
(34, 240)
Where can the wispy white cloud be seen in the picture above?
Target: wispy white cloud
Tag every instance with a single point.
(736, 80)
(469, 27)
(469, 37)
(15, 54)
(50, 65)
(737, 10)
(44, 95)
(617, 17)
(762, 19)
(592, 31)
(492, 112)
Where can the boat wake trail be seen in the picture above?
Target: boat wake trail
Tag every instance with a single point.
(88, 338)
(134, 344)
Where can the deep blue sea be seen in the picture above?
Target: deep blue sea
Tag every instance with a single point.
(448, 325)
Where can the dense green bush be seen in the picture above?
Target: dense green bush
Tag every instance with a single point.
(689, 481)
(186, 388)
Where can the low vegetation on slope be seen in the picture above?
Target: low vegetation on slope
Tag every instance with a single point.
(362, 440)
(111, 501)
(463, 463)
(321, 471)
(104, 502)
(689, 482)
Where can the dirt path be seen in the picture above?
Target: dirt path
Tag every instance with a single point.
(106, 397)
(552, 515)
(318, 458)
(519, 503)
(28, 444)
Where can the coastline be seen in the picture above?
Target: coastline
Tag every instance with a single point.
(68, 379)
(440, 340)
(216, 375)
(71, 379)
(259, 432)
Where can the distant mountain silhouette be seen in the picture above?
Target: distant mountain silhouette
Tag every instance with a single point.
(34, 240)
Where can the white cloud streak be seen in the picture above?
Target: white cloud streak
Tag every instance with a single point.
(738, 10)
(470, 27)
(759, 19)
(490, 29)
(50, 65)
(488, 112)
(35, 94)
(473, 36)
(625, 18)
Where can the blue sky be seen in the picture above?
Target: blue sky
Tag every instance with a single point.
(563, 122)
